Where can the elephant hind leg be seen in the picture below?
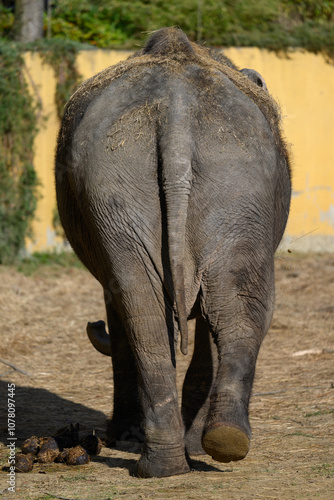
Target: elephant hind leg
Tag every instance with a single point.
(163, 452)
(142, 310)
(239, 311)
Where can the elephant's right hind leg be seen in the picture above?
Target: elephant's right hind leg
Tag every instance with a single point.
(239, 308)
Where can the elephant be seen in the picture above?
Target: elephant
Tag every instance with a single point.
(173, 187)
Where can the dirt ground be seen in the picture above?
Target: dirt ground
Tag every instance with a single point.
(43, 319)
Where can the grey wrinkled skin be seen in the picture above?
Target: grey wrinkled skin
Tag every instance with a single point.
(173, 188)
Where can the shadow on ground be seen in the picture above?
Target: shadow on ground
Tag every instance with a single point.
(40, 412)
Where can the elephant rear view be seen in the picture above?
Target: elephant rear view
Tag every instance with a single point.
(173, 188)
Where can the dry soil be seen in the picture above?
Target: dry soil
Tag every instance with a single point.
(43, 318)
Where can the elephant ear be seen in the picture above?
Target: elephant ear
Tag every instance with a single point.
(255, 77)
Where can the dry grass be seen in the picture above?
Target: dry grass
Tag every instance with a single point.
(43, 320)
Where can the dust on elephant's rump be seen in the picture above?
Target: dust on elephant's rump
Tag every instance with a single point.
(173, 187)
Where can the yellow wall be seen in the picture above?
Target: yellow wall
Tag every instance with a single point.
(303, 84)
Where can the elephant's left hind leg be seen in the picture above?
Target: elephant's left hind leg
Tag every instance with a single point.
(152, 340)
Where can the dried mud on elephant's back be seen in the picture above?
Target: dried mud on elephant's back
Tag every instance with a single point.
(292, 408)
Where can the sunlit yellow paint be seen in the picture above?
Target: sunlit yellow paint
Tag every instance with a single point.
(43, 85)
(303, 84)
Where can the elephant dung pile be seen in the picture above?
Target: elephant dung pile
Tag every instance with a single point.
(65, 447)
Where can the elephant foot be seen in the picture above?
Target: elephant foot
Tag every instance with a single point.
(225, 443)
(162, 463)
(227, 432)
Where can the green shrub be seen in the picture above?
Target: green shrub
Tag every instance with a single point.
(18, 128)
(272, 24)
(61, 55)
(6, 21)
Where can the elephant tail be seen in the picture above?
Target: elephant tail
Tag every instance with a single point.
(99, 337)
(176, 177)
